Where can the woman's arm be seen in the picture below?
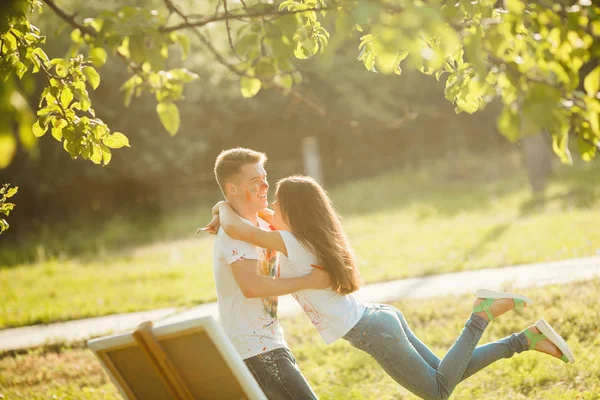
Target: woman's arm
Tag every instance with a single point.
(233, 225)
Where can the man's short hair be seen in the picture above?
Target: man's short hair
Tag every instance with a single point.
(230, 162)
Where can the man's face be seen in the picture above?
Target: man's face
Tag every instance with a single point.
(251, 186)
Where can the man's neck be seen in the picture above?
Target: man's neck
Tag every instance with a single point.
(243, 211)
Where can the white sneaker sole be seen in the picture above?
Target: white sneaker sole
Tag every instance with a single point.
(555, 338)
(484, 294)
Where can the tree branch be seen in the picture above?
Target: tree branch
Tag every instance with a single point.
(227, 16)
(229, 31)
(84, 29)
(69, 18)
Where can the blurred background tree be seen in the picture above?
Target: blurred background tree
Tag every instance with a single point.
(69, 67)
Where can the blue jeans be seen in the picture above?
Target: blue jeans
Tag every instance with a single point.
(278, 375)
(384, 334)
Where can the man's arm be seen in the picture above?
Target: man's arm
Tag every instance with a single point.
(255, 285)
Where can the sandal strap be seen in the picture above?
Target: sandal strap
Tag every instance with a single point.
(519, 304)
(564, 358)
(485, 307)
(535, 338)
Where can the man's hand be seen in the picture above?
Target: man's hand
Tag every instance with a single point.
(213, 226)
(319, 279)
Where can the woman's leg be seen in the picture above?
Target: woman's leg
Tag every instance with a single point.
(381, 334)
(482, 355)
(507, 347)
(489, 353)
(384, 333)
(427, 355)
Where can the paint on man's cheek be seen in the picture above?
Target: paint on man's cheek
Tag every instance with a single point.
(248, 196)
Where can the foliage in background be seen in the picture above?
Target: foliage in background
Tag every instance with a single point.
(530, 54)
(64, 106)
(6, 192)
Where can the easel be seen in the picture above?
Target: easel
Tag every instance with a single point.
(182, 361)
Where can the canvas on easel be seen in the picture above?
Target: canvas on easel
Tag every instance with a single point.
(185, 360)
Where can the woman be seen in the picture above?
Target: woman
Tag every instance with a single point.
(308, 233)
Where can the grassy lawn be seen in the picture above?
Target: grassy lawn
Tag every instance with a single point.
(340, 372)
(406, 223)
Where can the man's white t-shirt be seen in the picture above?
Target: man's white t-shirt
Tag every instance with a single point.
(333, 314)
(250, 324)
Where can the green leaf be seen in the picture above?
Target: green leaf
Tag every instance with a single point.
(249, 86)
(82, 95)
(560, 145)
(116, 140)
(591, 82)
(586, 149)
(169, 116)
(57, 133)
(3, 225)
(93, 77)
(73, 147)
(247, 43)
(58, 125)
(106, 154)
(184, 75)
(98, 56)
(184, 42)
(509, 124)
(123, 48)
(20, 69)
(38, 131)
(266, 67)
(514, 6)
(286, 81)
(11, 192)
(76, 36)
(66, 96)
(62, 68)
(96, 155)
(129, 88)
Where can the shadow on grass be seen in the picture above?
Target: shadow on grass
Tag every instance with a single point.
(574, 198)
(491, 236)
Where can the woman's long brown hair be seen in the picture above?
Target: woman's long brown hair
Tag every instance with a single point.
(313, 220)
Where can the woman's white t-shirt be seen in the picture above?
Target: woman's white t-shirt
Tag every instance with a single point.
(333, 314)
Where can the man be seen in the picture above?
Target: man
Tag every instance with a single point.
(245, 281)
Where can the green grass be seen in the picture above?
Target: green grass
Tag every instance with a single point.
(340, 372)
(402, 224)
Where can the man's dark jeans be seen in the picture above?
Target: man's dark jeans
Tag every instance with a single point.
(279, 377)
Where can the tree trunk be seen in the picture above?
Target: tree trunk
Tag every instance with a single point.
(537, 156)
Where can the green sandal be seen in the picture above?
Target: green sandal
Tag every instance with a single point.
(548, 333)
(490, 296)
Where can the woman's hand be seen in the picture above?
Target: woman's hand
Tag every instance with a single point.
(267, 214)
(215, 223)
(213, 226)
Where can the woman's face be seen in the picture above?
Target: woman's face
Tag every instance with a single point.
(278, 218)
